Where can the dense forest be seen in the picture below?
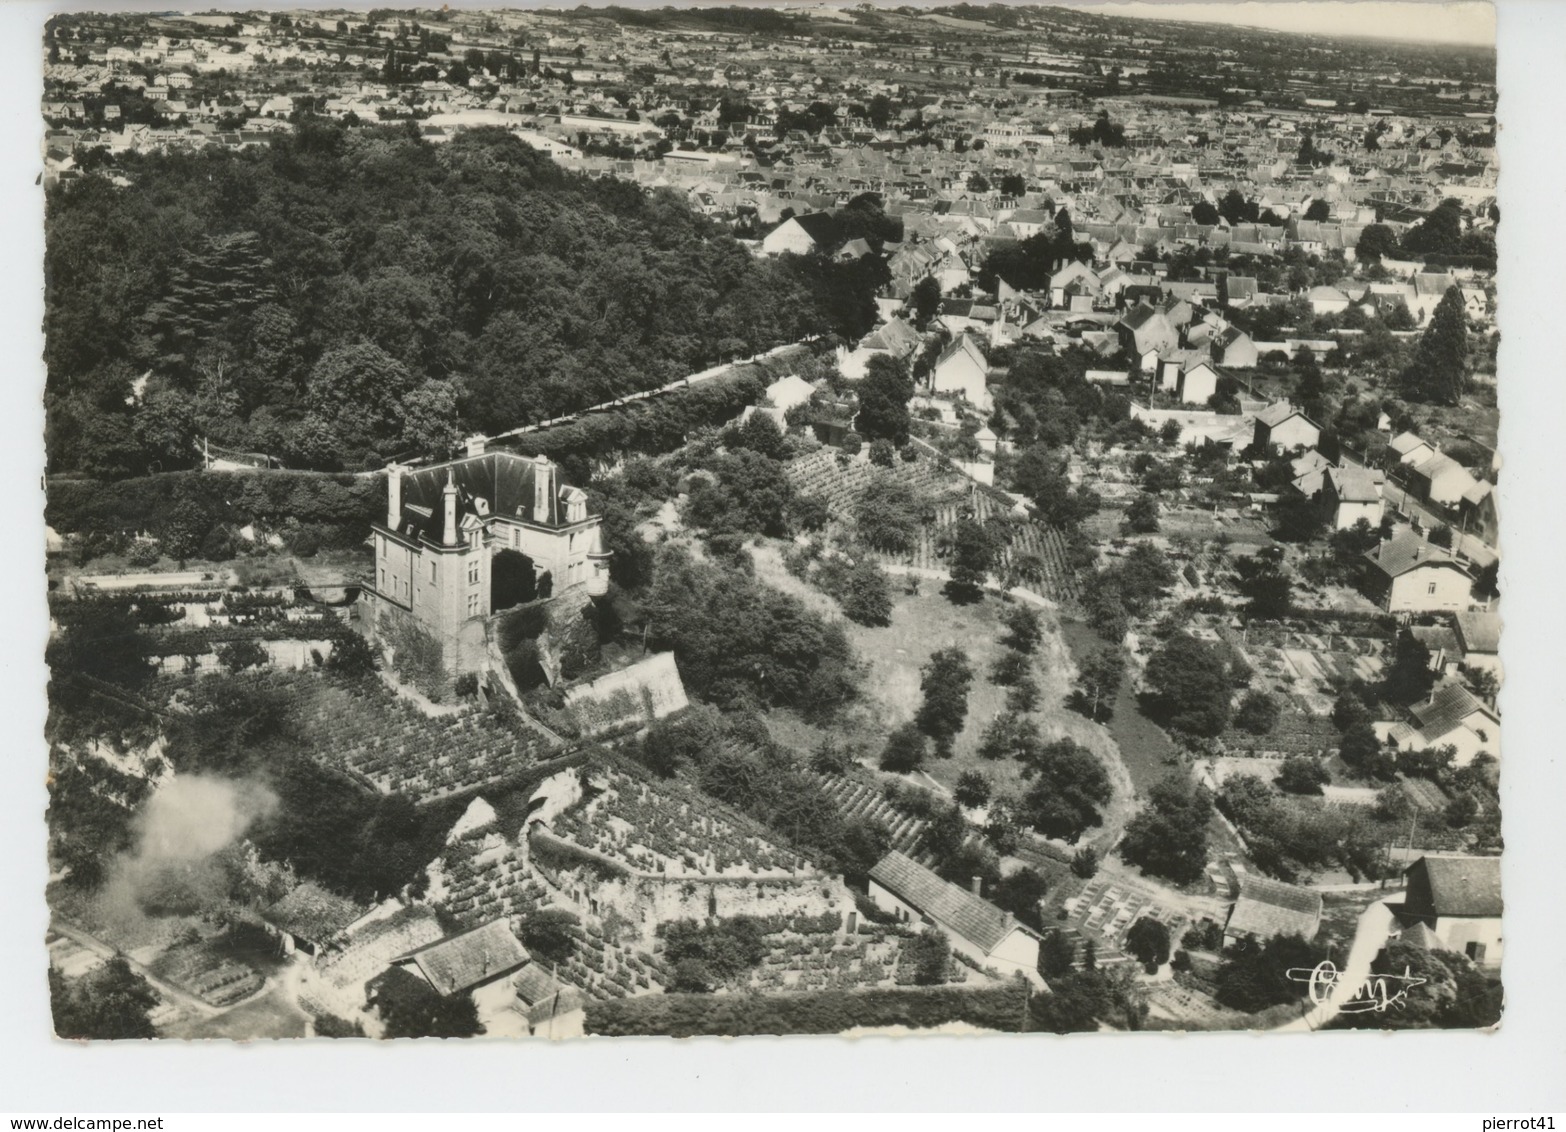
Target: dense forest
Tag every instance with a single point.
(340, 297)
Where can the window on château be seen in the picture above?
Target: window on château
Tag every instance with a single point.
(473, 605)
(473, 572)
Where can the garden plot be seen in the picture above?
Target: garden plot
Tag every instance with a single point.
(1304, 727)
(814, 953)
(370, 732)
(605, 969)
(209, 967)
(1105, 909)
(671, 831)
(860, 800)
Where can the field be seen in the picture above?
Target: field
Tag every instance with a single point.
(1145, 749)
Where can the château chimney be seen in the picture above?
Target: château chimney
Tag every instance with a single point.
(393, 496)
(448, 499)
(543, 491)
(978, 886)
(476, 444)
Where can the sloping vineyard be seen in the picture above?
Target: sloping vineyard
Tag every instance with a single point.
(856, 799)
(950, 496)
(838, 485)
(373, 734)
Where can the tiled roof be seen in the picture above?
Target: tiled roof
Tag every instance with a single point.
(1480, 630)
(1457, 886)
(949, 905)
(1405, 442)
(1268, 908)
(463, 961)
(1354, 484)
(1408, 552)
(1446, 710)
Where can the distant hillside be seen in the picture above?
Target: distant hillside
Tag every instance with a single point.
(342, 296)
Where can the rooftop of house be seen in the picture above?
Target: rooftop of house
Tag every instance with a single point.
(1446, 710)
(1409, 551)
(488, 485)
(1454, 886)
(950, 905)
(1353, 484)
(1479, 630)
(1405, 442)
(468, 959)
(1278, 412)
(1140, 315)
(962, 344)
(1267, 908)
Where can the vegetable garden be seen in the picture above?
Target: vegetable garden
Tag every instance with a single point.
(371, 733)
(671, 830)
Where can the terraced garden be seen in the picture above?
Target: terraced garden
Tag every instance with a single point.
(671, 830)
(484, 879)
(951, 497)
(856, 798)
(370, 732)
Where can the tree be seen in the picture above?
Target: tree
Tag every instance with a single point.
(1147, 941)
(351, 656)
(1300, 518)
(868, 599)
(926, 300)
(1258, 713)
(236, 656)
(1301, 774)
(1440, 232)
(1098, 682)
(1057, 955)
(1190, 680)
(1363, 752)
(1020, 893)
(1257, 974)
(1168, 837)
(973, 551)
(1070, 784)
(931, 952)
(1084, 862)
(1440, 371)
(887, 514)
(111, 1003)
(1409, 677)
(945, 680)
(412, 1008)
(1142, 515)
(1204, 212)
(1268, 587)
(1376, 242)
(1009, 736)
(904, 750)
(357, 392)
(1319, 210)
(883, 401)
(972, 789)
(1023, 629)
(550, 934)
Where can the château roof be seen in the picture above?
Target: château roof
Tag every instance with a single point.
(491, 484)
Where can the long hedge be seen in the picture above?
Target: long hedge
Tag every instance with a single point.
(146, 503)
(654, 425)
(813, 1012)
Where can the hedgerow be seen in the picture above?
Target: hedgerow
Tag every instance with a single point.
(817, 1012)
